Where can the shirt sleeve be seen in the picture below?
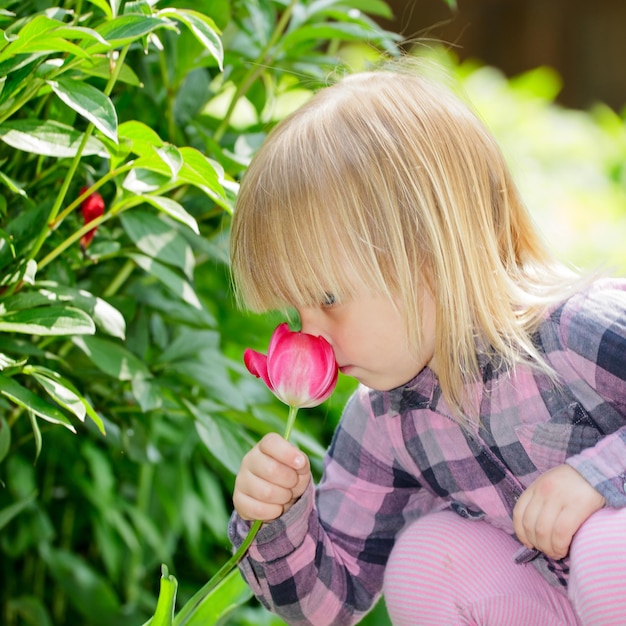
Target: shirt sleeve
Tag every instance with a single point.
(593, 333)
(322, 563)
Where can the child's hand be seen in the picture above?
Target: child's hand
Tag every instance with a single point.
(273, 475)
(553, 508)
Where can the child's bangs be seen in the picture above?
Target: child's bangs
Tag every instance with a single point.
(299, 264)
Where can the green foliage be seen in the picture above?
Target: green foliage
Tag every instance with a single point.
(125, 412)
(125, 408)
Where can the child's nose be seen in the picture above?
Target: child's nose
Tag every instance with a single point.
(311, 320)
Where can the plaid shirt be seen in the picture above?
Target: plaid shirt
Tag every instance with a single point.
(398, 455)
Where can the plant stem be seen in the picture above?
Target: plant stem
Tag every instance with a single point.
(119, 62)
(221, 574)
(258, 65)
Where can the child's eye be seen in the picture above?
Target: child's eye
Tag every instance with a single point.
(329, 300)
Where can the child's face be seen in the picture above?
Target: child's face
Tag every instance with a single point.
(369, 340)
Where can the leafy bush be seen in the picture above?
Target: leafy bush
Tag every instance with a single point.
(124, 409)
(124, 128)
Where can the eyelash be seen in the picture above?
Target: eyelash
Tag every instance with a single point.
(329, 300)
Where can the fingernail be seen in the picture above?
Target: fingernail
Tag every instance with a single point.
(299, 461)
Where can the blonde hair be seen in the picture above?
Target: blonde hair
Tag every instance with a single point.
(388, 181)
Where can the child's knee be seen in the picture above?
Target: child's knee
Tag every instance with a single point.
(598, 568)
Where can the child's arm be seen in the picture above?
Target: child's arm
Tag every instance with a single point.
(552, 509)
(322, 561)
(591, 358)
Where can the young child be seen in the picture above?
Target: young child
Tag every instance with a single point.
(478, 474)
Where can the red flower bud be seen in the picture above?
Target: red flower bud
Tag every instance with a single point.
(299, 369)
(91, 208)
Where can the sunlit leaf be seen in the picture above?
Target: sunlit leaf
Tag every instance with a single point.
(25, 398)
(144, 139)
(104, 6)
(200, 171)
(38, 35)
(52, 320)
(169, 278)
(89, 102)
(220, 439)
(112, 358)
(171, 156)
(174, 210)
(63, 392)
(125, 29)
(203, 28)
(142, 181)
(105, 316)
(159, 240)
(48, 138)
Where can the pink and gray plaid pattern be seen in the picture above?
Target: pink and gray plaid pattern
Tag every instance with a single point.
(399, 455)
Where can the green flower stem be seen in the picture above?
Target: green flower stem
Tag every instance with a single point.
(221, 574)
(107, 177)
(119, 279)
(119, 62)
(74, 237)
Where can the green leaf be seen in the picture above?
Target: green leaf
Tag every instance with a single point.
(171, 156)
(36, 433)
(141, 181)
(30, 609)
(25, 398)
(209, 608)
(203, 28)
(88, 591)
(159, 240)
(104, 6)
(101, 67)
(344, 31)
(220, 439)
(112, 358)
(372, 7)
(11, 511)
(48, 138)
(63, 392)
(48, 321)
(5, 439)
(89, 102)
(105, 316)
(125, 29)
(164, 613)
(174, 210)
(144, 140)
(169, 278)
(201, 172)
(38, 35)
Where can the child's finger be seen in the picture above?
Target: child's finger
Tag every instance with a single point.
(278, 448)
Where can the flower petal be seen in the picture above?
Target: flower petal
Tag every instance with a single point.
(257, 365)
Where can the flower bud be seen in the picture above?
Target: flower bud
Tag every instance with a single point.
(299, 369)
(91, 208)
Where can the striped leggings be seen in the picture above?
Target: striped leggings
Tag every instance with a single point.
(466, 576)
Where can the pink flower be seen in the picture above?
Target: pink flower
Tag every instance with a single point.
(299, 369)
(91, 208)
